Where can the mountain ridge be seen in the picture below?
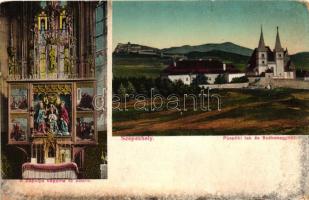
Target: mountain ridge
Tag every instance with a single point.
(225, 46)
(184, 49)
(226, 51)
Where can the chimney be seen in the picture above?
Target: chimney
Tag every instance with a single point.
(174, 63)
(224, 67)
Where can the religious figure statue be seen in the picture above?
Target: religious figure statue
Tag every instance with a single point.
(67, 64)
(52, 59)
(52, 118)
(40, 120)
(64, 119)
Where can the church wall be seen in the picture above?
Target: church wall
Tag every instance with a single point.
(280, 65)
(262, 61)
(4, 37)
(184, 78)
(289, 75)
(211, 77)
(262, 69)
(236, 75)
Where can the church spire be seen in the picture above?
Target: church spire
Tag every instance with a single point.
(278, 46)
(261, 42)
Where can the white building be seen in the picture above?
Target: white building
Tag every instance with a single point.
(277, 62)
(188, 70)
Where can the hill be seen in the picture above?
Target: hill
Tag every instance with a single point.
(301, 60)
(135, 48)
(136, 65)
(225, 47)
(138, 60)
(240, 61)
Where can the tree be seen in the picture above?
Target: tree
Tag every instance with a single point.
(179, 87)
(122, 91)
(166, 87)
(142, 90)
(220, 79)
(131, 88)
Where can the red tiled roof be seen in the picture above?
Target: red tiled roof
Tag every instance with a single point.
(200, 67)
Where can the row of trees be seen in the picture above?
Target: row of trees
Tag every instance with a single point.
(165, 87)
(143, 85)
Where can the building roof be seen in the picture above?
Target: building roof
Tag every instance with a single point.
(199, 67)
(261, 46)
(278, 46)
(289, 66)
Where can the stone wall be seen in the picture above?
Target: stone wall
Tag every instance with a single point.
(296, 84)
(226, 86)
(280, 83)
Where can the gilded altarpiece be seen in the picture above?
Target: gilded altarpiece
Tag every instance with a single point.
(56, 115)
(51, 82)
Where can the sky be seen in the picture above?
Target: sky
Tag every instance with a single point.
(163, 24)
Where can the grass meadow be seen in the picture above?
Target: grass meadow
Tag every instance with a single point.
(244, 112)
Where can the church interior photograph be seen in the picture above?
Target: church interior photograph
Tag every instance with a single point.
(53, 65)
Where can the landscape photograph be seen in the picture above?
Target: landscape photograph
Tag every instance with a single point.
(210, 68)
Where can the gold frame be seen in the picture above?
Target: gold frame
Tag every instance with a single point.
(60, 141)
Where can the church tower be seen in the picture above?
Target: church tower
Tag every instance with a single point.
(261, 54)
(279, 57)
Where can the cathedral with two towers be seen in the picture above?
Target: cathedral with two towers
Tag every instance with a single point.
(274, 64)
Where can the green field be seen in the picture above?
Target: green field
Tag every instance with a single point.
(244, 112)
(138, 66)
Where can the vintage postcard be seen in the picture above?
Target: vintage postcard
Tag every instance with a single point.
(190, 99)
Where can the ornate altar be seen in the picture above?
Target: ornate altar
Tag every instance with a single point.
(51, 82)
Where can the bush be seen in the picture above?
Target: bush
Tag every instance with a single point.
(200, 80)
(220, 79)
(242, 79)
(122, 91)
